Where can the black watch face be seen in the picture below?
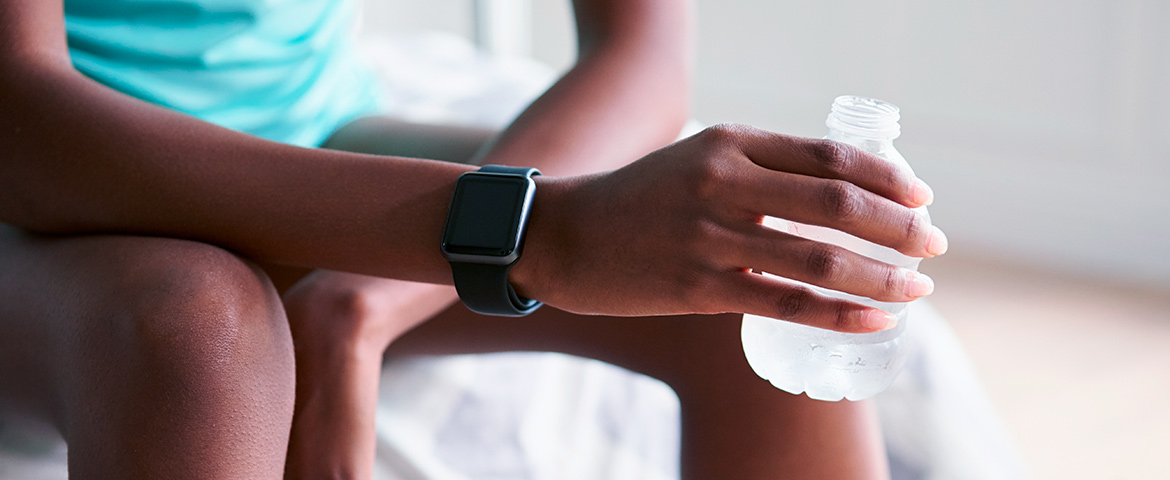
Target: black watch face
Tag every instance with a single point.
(486, 215)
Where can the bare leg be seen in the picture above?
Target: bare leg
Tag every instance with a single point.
(155, 358)
(342, 324)
(735, 425)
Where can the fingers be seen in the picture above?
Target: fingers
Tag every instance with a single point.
(826, 159)
(831, 267)
(775, 298)
(821, 182)
(840, 205)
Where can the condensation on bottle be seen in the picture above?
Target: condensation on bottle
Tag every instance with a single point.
(824, 364)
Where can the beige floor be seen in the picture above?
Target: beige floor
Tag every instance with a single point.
(1079, 370)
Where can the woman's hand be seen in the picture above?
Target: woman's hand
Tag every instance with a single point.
(679, 232)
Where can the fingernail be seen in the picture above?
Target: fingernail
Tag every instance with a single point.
(878, 320)
(937, 244)
(921, 194)
(918, 285)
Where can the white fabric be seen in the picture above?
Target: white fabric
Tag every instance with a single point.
(30, 451)
(524, 416)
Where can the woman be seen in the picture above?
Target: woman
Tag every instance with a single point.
(153, 262)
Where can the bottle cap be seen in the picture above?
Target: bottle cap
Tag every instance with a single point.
(865, 117)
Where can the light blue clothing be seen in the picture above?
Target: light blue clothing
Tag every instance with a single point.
(285, 70)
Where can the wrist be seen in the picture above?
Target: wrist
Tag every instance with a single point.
(546, 242)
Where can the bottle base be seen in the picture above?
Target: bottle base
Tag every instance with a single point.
(822, 364)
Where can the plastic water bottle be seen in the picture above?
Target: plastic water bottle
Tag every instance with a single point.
(830, 365)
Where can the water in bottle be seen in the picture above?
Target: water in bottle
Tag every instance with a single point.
(830, 365)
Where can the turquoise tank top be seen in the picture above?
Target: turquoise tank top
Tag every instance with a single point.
(285, 70)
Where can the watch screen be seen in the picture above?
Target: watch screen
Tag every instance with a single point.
(485, 216)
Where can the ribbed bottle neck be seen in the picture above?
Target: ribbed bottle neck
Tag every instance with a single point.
(863, 118)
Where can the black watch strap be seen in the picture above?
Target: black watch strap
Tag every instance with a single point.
(485, 289)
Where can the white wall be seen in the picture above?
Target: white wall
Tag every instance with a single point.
(406, 16)
(1044, 127)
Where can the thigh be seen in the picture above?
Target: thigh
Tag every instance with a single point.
(48, 286)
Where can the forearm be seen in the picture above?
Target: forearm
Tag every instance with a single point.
(626, 96)
(80, 158)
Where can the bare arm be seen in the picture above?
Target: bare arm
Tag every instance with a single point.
(79, 157)
(627, 94)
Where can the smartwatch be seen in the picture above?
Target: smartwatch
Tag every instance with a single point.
(484, 236)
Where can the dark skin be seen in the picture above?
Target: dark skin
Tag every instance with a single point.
(134, 307)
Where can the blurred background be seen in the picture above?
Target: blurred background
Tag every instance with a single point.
(1044, 128)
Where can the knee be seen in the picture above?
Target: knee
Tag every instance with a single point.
(185, 310)
(187, 355)
(338, 310)
(332, 312)
(327, 297)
